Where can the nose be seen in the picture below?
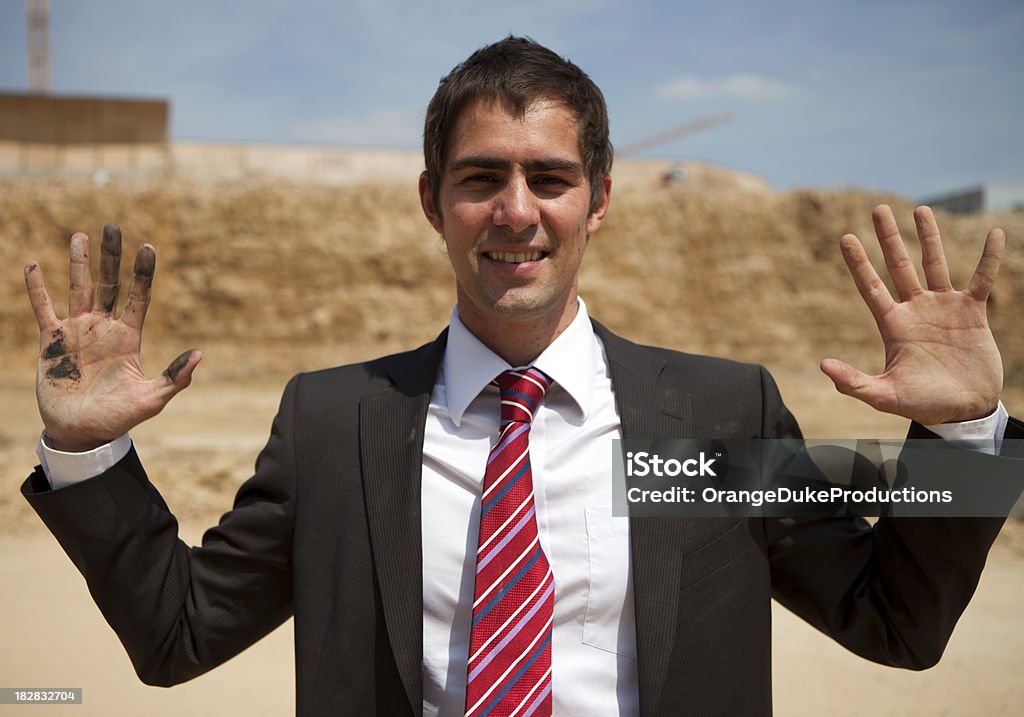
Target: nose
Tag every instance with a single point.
(515, 206)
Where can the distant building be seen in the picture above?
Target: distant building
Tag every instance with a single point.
(69, 120)
(44, 133)
(967, 201)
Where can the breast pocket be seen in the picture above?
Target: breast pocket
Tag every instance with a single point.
(608, 622)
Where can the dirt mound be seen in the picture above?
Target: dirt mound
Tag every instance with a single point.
(758, 275)
(270, 279)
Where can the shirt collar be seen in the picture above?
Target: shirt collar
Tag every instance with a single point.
(469, 365)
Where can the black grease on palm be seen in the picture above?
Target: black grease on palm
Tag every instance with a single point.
(110, 266)
(56, 347)
(65, 369)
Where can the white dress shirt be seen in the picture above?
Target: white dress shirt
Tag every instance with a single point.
(593, 653)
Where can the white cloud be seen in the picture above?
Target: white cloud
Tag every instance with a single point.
(739, 86)
(387, 126)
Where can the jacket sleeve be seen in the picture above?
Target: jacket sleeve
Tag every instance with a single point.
(178, 610)
(891, 592)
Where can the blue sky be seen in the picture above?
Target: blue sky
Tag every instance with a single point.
(912, 97)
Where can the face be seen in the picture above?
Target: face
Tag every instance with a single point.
(514, 210)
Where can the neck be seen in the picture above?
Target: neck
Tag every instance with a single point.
(519, 341)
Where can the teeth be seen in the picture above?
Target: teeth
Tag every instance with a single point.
(518, 258)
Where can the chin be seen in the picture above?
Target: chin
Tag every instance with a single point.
(529, 303)
(518, 311)
(529, 308)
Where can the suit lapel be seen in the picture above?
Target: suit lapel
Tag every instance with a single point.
(649, 411)
(391, 427)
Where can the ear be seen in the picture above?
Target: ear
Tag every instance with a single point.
(430, 210)
(597, 216)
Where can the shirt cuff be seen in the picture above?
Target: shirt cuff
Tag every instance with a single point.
(63, 469)
(981, 433)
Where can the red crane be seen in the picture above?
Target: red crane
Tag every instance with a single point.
(682, 131)
(38, 12)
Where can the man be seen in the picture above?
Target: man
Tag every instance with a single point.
(371, 514)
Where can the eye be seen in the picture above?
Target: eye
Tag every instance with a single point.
(549, 180)
(482, 178)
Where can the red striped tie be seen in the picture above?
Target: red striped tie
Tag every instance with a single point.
(509, 672)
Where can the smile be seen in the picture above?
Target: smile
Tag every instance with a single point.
(515, 258)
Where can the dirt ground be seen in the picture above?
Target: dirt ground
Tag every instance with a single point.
(739, 271)
(54, 635)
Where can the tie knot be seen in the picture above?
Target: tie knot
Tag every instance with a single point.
(521, 393)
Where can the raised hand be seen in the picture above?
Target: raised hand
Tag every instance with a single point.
(89, 381)
(941, 361)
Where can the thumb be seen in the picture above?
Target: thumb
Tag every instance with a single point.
(872, 390)
(850, 381)
(179, 372)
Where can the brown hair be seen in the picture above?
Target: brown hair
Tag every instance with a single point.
(520, 71)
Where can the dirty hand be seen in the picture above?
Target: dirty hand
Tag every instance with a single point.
(942, 364)
(89, 380)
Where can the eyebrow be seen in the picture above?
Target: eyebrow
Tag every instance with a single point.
(545, 164)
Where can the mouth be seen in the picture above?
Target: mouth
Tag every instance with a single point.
(508, 257)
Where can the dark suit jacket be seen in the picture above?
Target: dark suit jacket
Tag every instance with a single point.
(328, 529)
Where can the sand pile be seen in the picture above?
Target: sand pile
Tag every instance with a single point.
(271, 279)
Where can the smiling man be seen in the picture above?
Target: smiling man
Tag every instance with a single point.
(439, 521)
(515, 207)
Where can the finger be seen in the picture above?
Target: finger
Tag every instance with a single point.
(138, 296)
(80, 291)
(988, 267)
(38, 296)
(933, 259)
(110, 267)
(870, 286)
(897, 260)
(852, 382)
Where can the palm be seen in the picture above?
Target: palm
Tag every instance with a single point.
(89, 384)
(941, 361)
